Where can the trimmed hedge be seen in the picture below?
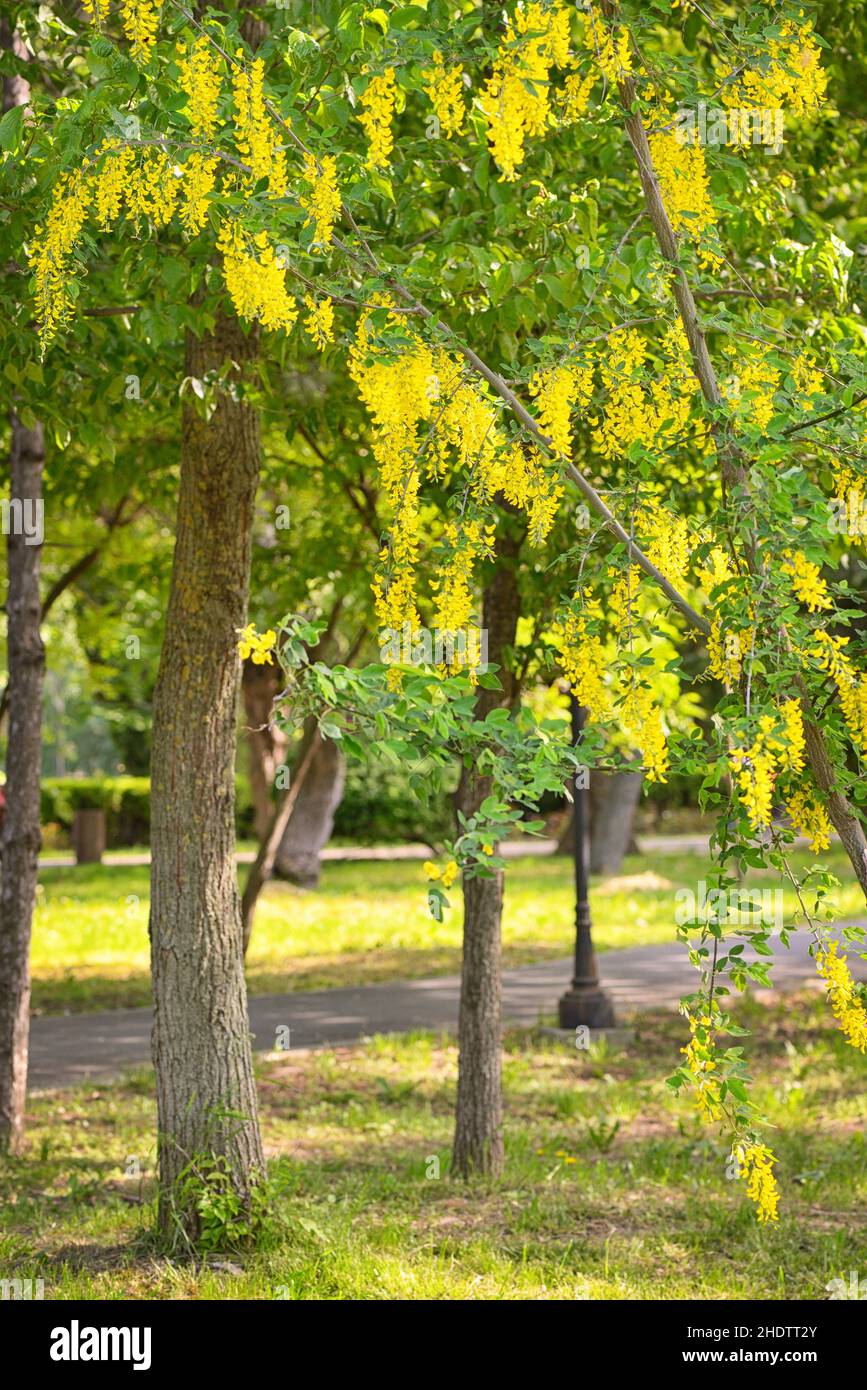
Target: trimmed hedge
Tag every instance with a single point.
(126, 802)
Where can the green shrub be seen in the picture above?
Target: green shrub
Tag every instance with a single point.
(126, 802)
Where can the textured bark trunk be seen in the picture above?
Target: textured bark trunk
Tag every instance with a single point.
(613, 802)
(312, 821)
(202, 1053)
(21, 838)
(478, 1142)
(266, 743)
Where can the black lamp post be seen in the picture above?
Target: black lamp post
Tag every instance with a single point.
(586, 1002)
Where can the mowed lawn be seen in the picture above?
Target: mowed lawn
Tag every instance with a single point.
(613, 1188)
(367, 922)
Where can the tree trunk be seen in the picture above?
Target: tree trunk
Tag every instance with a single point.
(266, 742)
(613, 802)
(312, 821)
(21, 838)
(478, 1143)
(207, 1111)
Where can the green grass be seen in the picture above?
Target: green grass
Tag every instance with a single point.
(367, 922)
(350, 1137)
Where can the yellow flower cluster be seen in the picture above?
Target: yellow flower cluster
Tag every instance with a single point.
(255, 280)
(808, 379)
(667, 543)
(658, 412)
(642, 721)
(726, 650)
(140, 20)
(258, 645)
(398, 390)
(445, 88)
(809, 818)
(683, 180)
(319, 322)
(756, 1165)
(377, 102)
(201, 79)
(556, 391)
(756, 770)
(446, 876)
(256, 139)
(153, 186)
(851, 685)
(846, 1002)
(516, 98)
(700, 1057)
(200, 173)
(51, 253)
(322, 203)
(574, 99)
(110, 181)
(793, 79)
(453, 598)
(582, 657)
(808, 585)
(791, 755)
(609, 46)
(753, 387)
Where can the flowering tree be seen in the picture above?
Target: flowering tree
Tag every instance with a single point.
(554, 275)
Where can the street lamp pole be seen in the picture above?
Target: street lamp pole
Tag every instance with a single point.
(585, 1002)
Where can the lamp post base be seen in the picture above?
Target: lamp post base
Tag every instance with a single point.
(588, 1006)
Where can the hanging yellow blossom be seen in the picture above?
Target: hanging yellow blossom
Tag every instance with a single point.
(258, 646)
(254, 278)
(322, 203)
(51, 252)
(516, 97)
(846, 1002)
(851, 685)
(809, 818)
(752, 389)
(808, 379)
(153, 184)
(793, 79)
(377, 102)
(582, 657)
(109, 182)
(642, 721)
(700, 1055)
(201, 80)
(255, 137)
(756, 1165)
(609, 46)
(199, 176)
(444, 87)
(756, 770)
(791, 758)
(808, 585)
(556, 391)
(683, 179)
(140, 19)
(319, 323)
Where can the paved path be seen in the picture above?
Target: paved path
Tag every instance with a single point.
(98, 1046)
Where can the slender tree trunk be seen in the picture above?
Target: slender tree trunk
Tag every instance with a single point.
(202, 1052)
(266, 742)
(21, 838)
(478, 1142)
(312, 821)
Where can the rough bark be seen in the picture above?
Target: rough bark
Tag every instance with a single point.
(201, 1041)
(266, 743)
(478, 1142)
(21, 838)
(312, 821)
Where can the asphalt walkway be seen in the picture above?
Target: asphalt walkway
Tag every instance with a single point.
(98, 1046)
